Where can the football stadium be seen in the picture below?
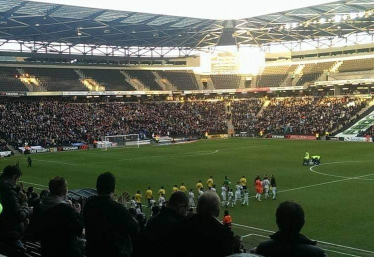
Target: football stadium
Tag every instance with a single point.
(138, 130)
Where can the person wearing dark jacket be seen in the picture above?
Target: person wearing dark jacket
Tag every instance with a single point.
(59, 223)
(13, 215)
(203, 234)
(288, 241)
(150, 241)
(110, 228)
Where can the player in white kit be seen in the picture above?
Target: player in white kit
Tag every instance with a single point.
(161, 200)
(132, 202)
(230, 196)
(246, 197)
(191, 198)
(223, 194)
(238, 192)
(266, 186)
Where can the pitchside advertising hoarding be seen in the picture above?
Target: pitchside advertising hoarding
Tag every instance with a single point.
(5, 154)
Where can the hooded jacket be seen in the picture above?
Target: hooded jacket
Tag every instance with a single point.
(59, 227)
(13, 215)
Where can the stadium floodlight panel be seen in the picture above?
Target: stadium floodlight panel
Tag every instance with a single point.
(207, 9)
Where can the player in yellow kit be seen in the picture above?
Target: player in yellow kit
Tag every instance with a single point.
(161, 191)
(199, 185)
(183, 188)
(148, 195)
(243, 182)
(209, 182)
(175, 188)
(138, 200)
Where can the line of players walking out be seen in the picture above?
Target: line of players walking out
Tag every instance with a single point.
(262, 186)
(241, 191)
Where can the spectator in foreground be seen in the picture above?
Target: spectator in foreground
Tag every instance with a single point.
(13, 216)
(203, 234)
(110, 227)
(160, 225)
(288, 241)
(59, 223)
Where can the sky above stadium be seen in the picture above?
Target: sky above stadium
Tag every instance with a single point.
(206, 9)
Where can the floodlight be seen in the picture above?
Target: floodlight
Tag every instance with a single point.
(322, 20)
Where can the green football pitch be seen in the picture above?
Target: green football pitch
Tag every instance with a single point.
(337, 196)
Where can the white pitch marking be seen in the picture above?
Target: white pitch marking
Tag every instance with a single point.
(247, 235)
(337, 176)
(33, 184)
(322, 242)
(223, 149)
(66, 163)
(328, 250)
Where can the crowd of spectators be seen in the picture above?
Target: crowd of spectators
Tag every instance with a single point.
(53, 122)
(104, 227)
(307, 115)
(244, 113)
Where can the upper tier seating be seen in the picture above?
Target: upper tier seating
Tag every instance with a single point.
(357, 65)
(112, 80)
(57, 79)
(9, 80)
(146, 77)
(274, 76)
(312, 71)
(183, 80)
(225, 81)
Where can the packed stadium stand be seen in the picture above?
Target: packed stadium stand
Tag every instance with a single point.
(9, 80)
(226, 81)
(52, 122)
(146, 77)
(274, 76)
(182, 80)
(308, 115)
(244, 113)
(110, 79)
(55, 79)
(357, 65)
(312, 72)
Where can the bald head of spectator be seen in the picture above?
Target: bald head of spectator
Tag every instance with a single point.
(208, 204)
(179, 203)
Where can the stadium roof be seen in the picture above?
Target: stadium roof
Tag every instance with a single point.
(207, 9)
(45, 22)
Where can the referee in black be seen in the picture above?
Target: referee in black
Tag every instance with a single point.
(29, 161)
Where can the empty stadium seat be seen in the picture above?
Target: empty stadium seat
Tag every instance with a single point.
(183, 80)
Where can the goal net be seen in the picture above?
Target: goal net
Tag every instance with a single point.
(130, 140)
